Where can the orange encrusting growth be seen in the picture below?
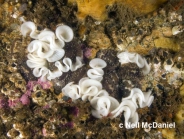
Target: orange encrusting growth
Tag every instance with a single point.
(97, 9)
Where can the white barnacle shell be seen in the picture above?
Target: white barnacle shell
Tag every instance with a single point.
(57, 55)
(49, 37)
(89, 88)
(103, 106)
(168, 64)
(95, 74)
(8, 133)
(176, 30)
(72, 90)
(35, 61)
(177, 69)
(64, 33)
(42, 49)
(144, 99)
(21, 135)
(29, 27)
(97, 63)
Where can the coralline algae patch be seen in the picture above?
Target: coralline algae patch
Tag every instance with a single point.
(115, 77)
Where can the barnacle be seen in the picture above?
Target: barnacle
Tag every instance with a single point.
(13, 67)
(177, 29)
(12, 133)
(21, 84)
(5, 89)
(39, 97)
(14, 94)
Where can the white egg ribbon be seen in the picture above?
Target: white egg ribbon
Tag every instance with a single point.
(144, 98)
(49, 37)
(41, 72)
(57, 55)
(64, 33)
(126, 57)
(72, 90)
(41, 49)
(85, 90)
(129, 110)
(29, 28)
(89, 88)
(67, 66)
(103, 105)
(48, 47)
(97, 66)
(35, 61)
